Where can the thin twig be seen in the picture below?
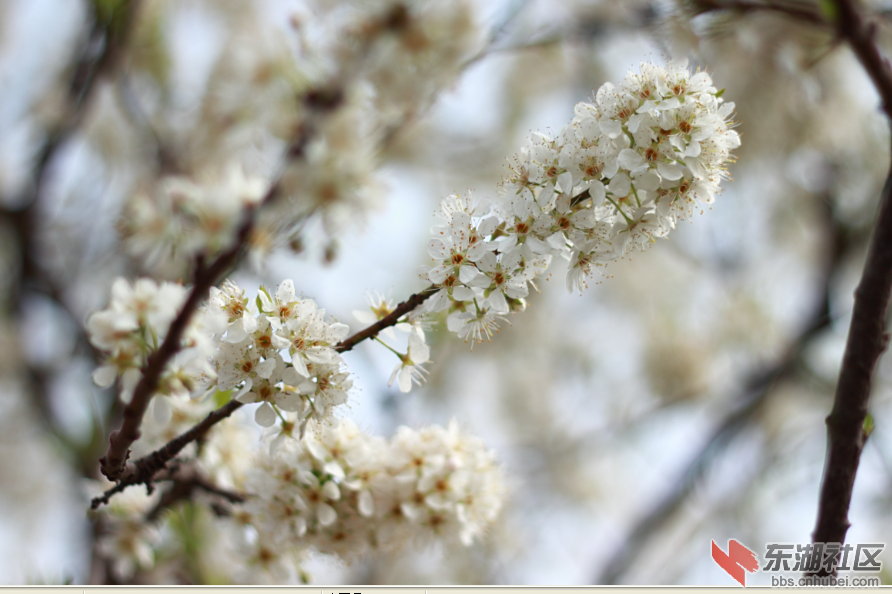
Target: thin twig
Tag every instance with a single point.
(184, 482)
(387, 321)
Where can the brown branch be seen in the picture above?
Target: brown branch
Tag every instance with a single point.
(112, 464)
(387, 321)
(867, 337)
(184, 483)
(860, 36)
(143, 471)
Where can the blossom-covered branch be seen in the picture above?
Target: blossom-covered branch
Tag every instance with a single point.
(144, 470)
(329, 163)
(112, 464)
(640, 157)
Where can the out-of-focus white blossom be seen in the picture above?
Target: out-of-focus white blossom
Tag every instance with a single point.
(136, 323)
(182, 217)
(128, 541)
(341, 491)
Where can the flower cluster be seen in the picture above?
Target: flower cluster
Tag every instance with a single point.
(622, 173)
(343, 492)
(335, 176)
(480, 279)
(335, 491)
(320, 99)
(231, 344)
(250, 359)
(136, 323)
(395, 54)
(420, 47)
(183, 217)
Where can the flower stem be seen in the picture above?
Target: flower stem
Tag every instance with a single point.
(390, 348)
(610, 200)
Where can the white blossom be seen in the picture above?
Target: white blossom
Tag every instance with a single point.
(409, 370)
(342, 491)
(135, 324)
(628, 166)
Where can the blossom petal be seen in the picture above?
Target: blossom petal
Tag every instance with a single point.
(265, 416)
(670, 171)
(285, 292)
(611, 128)
(437, 249)
(326, 514)
(105, 376)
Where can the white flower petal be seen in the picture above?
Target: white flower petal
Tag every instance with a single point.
(405, 380)
(461, 293)
(497, 302)
(648, 181)
(265, 416)
(467, 273)
(670, 171)
(285, 292)
(266, 368)
(620, 185)
(326, 514)
(105, 376)
(366, 504)
(437, 249)
(438, 275)
(487, 226)
(331, 491)
(611, 128)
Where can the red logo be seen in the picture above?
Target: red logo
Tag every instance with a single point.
(738, 559)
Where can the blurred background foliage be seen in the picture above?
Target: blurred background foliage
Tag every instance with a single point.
(678, 401)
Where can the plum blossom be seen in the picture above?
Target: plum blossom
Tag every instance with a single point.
(636, 159)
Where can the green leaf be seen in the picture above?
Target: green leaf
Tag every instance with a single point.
(222, 397)
(868, 425)
(720, 93)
